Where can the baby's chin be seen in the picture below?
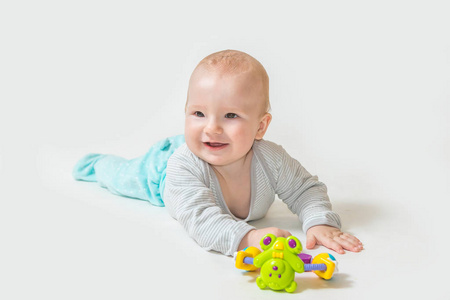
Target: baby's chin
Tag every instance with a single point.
(212, 158)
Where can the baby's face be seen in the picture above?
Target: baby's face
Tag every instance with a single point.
(224, 115)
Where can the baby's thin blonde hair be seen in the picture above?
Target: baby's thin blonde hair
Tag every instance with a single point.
(237, 62)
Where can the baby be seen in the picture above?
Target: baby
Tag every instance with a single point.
(221, 173)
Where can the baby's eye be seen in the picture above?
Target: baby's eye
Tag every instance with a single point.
(231, 115)
(199, 114)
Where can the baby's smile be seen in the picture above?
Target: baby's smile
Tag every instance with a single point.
(215, 145)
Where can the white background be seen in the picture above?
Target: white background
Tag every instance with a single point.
(360, 96)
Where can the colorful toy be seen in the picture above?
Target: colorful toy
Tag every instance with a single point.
(280, 260)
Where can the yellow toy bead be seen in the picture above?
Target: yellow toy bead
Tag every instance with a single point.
(248, 252)
(329, 261)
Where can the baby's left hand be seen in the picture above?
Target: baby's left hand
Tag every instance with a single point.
(332, 238)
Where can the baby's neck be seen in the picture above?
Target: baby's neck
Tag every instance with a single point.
(236, 169)
(235, 184)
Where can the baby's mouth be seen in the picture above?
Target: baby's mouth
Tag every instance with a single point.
(215, 145)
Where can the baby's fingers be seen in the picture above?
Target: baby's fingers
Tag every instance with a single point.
(348, 244)
(353, 244)
(333, 244)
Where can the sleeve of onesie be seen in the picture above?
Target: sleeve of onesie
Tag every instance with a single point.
(304, 194)
(190, 201)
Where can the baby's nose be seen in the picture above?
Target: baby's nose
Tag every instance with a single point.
(213, 127)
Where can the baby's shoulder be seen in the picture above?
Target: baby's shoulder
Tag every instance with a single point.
(268, 150)
(183, 156)
(185, 163)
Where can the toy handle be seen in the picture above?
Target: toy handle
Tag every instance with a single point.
(248, 260)
(308, 267)
(306, 258)
(315, 267)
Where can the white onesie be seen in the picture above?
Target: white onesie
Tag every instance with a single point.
(193, 196)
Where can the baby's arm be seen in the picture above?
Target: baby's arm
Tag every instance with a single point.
(191, 202)
(308, 198)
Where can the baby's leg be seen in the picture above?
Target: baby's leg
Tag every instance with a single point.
(140, 178)
(123, 177)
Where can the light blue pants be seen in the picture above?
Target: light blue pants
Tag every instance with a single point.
(142, 178)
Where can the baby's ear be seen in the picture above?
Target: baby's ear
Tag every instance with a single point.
(263, 125)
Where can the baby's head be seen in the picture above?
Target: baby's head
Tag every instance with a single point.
(233, 62)
(227, 107)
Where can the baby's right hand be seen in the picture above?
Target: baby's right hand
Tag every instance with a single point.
(253, 237)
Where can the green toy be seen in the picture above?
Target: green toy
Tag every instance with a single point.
(279, 262)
